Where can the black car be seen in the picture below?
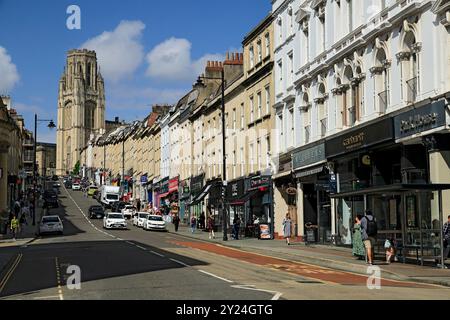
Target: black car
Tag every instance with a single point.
(118, 206)
(96, 212)
(50, 198)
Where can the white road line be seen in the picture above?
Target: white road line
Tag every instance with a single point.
(215, 276)
(141, 248)
(179, 262)
(276, 296)
(45, 298)
(158, 254)
(129, 242)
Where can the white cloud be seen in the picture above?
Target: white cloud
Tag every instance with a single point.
(119, 52)
(171, 61)
(9, 76)
(23, 108)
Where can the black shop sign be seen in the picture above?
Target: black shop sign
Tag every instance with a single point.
(419, 120)
(236, 189)
(359, 138)
(260, 182)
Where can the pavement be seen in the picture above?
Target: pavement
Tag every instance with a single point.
(338, 258)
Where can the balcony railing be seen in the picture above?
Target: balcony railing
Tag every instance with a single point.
(28, 142)
(323, 127)
(28, 159)
(383, 98)
(412, 86)
(307, 134)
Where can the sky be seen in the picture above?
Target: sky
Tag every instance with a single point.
(149, 51)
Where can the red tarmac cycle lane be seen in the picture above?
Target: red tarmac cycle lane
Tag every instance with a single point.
(305, 270)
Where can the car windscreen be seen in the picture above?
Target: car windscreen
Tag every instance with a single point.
(92, 188)
(143, 215)
(155, 218)
(50, 220)
(112, 196)
(97, 209)
(115, 216)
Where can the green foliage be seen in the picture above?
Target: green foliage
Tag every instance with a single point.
(76, 169)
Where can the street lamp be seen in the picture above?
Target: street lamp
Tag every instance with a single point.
(224, 169)
(51, 125)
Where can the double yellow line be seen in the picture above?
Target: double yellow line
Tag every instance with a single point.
(10, 272)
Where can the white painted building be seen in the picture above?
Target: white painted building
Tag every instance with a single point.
(165, 146)
(343, 64)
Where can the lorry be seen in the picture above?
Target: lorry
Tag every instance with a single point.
(108, 195)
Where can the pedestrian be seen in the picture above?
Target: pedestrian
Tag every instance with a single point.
(287, 227)
(236, 227)
(193, 224)
(210, 226)
(369, 230)
(176, 222)
(201, 221)
(358, 250)
(446, 238)
(390, 250)
(14, 226)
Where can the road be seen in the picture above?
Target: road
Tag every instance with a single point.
(134, 264)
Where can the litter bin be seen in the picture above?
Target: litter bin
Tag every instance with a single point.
(3, 226)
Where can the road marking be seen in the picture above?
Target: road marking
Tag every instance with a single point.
(129, 242)
(252, 287)
(158, 254)
(58, 280)
(179, 262)
(215, 276)
(10, 272)
(141, 248)
(46, 298)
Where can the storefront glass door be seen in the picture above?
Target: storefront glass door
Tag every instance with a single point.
(347, 209)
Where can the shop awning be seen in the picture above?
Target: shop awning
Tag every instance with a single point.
(309, 172)
(392, 188)
(201, 196)
(243, 200)
(163, 195)
(282, 175)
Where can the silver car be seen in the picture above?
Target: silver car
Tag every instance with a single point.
(51, 224)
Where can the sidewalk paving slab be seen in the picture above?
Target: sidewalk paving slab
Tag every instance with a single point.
(337, 258)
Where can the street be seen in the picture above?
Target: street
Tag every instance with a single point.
(135, 264)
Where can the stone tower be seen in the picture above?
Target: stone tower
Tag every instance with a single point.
(81, 107)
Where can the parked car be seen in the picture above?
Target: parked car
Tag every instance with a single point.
(96, 212)
(114, 221)
(140, 219)
(118, 206)
(129, 211)
(50, 198)
(51, 224)
(76, 186)
(154, 222)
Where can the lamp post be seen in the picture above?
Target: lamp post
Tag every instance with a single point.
(224, 158)
(51, 125)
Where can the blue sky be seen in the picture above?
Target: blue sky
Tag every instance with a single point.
(149, 51)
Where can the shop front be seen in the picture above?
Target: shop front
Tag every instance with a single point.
(172, 202)
(390, 179)
(237, 201)
(185, 198)
(214, 202)
(261, 206)
(286, 197)
(315, 183)
(198, 194)
(161, 195)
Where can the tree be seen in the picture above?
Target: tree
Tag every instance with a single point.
(76, 169)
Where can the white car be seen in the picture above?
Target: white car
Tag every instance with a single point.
(140, 218)
(51, 224)
(114, 221)
(76, 186)
(154, 222)
(128, 211)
